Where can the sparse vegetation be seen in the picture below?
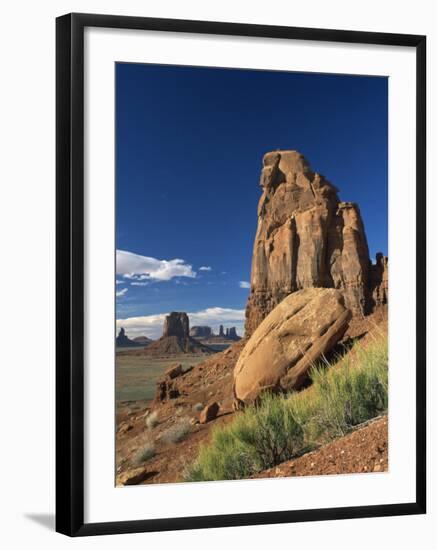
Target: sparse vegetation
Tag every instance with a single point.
(146, 452)
(198, 407)
(178, 432)
(258, 439)
(152, 420)
(343, 395)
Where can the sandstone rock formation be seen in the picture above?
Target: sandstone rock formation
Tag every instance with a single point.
(176, 338)
(123, 341)
(379, 281)
(176, 324)
(278, 355)
(174, 371)
(306, 237)
(231, 333)
(167, 387)
(201, 332)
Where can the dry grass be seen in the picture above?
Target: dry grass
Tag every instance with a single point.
(178, 432)
(152, 420)
(144, 453)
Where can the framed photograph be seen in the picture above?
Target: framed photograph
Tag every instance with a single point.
(240, 274)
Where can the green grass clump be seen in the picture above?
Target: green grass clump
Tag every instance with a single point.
(350, 394)
(279, 428)
(257, 439)
(345, 393)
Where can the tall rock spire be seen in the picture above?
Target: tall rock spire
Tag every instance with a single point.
(305, 238)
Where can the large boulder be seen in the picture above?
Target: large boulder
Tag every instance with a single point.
(279, 354)
(306, 237)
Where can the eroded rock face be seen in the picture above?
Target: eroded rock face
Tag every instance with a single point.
(305, 238)
(379, 281)
(302, 328)
(176, 324)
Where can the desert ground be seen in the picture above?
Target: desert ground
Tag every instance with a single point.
(136, 375)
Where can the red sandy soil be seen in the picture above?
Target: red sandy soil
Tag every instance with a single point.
(208, 381)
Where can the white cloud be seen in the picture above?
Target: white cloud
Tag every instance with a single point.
(137, 267)
(151, 325)
(117, 282)
(205, 268)
(121, 292)
(244, 284)
(139, 283)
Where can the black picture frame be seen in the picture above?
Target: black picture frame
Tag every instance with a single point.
(70, 273)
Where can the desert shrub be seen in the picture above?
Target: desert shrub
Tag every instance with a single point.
(146, 452)
(259, 438)
(152, 420)
(178, 432)
(225, 458)
(271, 430)
(198, 407)
(353, 391)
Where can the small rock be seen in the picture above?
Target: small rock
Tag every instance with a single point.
(134, 477)
(377, 468)
(174, 371)
(209, 412)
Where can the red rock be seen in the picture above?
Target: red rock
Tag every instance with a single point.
(174, 371)
(301, 329)
(379, 280)
(209, 413)
(306, 237)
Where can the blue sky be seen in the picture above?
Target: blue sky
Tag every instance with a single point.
(189, 145)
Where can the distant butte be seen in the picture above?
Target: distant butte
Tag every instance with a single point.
(176, 338)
